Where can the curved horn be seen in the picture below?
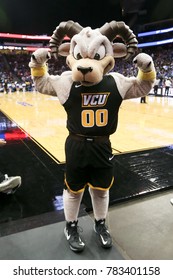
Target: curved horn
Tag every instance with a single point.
(114, 28)
(69, 28)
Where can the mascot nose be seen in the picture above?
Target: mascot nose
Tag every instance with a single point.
(84, 70)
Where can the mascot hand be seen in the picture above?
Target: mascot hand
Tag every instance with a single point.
(39, 58)
(144, 62)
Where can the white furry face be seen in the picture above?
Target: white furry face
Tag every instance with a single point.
(89, 42)
(90, 53)
(89, 71)
(90, 56)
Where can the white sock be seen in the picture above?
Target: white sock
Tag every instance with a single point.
(71, 205)
(100, 203)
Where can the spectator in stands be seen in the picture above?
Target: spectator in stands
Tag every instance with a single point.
(1, 87)
(6, 89)
(143, 99)
(156, 86)
(168, 84)
(161, 85)
(19, 71)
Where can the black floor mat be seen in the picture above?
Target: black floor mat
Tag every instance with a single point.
(140, 173)
(42, 178)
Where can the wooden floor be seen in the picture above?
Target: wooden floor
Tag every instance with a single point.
(141, 126)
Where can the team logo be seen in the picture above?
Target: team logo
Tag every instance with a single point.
(94, 99)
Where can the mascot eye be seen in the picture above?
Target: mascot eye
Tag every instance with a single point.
(78, 56)
(97, 56)
(76, 53)
(101, 52)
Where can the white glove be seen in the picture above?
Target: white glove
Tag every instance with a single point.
(39, 58)
(144, 62)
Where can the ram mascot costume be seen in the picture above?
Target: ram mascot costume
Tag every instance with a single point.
(91, 95)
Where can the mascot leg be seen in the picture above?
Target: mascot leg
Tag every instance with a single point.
(71, 209)
(100, 203)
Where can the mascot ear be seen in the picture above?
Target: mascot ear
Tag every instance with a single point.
(119, 50)
(64, 49)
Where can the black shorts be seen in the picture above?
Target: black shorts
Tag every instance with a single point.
(88, 162)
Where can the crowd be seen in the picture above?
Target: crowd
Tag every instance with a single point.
(15, 73)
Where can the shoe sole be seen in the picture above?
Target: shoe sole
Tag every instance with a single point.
(11, 191)
(12, 186)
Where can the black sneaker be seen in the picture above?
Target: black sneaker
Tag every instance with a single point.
(103, 233)
(71, 232)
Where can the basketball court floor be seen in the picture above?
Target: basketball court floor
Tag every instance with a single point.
(140, 215)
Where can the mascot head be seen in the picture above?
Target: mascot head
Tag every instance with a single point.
(90, 53)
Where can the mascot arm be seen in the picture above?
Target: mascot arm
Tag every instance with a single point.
(43, 85)
(39, 71)
(141, 85)
(48, 84)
